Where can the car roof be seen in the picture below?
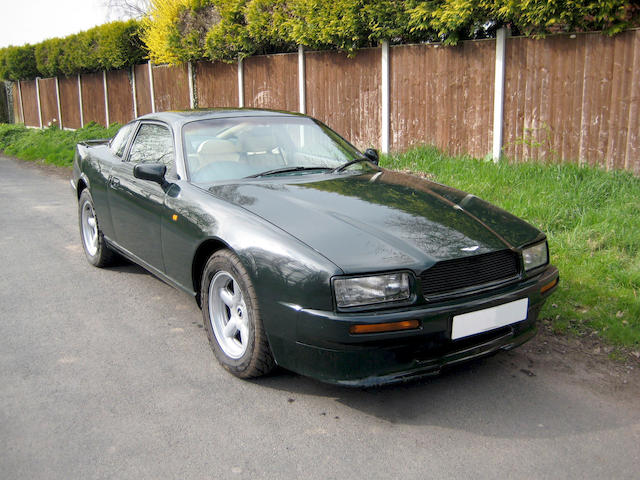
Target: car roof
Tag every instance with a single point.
(178, 117)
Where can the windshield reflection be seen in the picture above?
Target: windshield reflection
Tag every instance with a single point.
(233, 148)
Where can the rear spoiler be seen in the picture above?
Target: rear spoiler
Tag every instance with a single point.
(93, 143)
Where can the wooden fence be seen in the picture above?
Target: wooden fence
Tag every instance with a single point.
(567, 97)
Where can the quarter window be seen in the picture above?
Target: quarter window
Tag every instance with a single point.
(119, 142)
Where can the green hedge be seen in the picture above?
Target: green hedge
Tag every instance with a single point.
(176, 31)
(105, 47)
(232, 29)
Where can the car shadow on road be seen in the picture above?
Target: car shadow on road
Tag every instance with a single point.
(496, 397)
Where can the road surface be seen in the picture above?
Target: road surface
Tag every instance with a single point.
(108, 374)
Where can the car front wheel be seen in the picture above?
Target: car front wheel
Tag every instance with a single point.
(232, 317)
(95, 248)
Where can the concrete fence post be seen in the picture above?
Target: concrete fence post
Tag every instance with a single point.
(134, 95)
(38, 100)
(192, 93)
(384, 137)
(20, 100)
(151, 90)
(60, 124)
(498, 93)
(80, 102)
(240, 84)
(106, 97)
(302, 82)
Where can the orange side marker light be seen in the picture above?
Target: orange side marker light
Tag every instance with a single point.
(549, 286)
(384, 327)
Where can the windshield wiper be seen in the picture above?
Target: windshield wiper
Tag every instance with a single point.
(285, 170)
(348, 164)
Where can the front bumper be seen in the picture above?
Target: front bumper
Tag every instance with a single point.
(325, 350)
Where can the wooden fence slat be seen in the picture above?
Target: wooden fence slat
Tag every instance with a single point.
(271, 81)
(216, 84)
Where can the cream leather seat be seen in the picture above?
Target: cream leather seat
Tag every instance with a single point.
(217, 150)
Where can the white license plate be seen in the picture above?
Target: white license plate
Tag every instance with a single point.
(489, 318)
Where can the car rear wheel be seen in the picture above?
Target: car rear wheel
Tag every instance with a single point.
(232, 317)
(95, 248)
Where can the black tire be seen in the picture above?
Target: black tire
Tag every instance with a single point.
(97, 252)
(245, 355)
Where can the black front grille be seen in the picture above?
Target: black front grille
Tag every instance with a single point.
(463, 273)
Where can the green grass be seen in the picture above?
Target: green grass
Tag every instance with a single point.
(52, 145)
(592, 220)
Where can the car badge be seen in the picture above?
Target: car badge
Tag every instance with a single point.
(470, 249)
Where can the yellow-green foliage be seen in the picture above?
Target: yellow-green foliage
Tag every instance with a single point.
(175, 31)
(267, 26)
(453, 20)
(348, 24)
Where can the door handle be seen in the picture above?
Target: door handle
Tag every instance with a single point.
(114, 181)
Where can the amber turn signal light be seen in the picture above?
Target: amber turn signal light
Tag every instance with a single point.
(549, 286)
(384, 327)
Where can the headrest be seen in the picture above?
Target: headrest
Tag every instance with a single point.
(217, 147)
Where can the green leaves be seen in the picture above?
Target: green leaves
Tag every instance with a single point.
(17, 63)
(110, 46)
(177, 31)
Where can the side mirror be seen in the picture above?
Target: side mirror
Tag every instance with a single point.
(154, 172)
(372, 155)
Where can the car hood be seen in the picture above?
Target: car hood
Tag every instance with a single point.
(381, 219)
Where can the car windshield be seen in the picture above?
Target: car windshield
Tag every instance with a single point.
(233, 148)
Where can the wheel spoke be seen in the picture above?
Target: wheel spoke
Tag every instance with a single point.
(237, 294)
(244, 333)
(227, 297)
(230, 328)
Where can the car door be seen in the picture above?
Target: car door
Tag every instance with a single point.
(137, 205)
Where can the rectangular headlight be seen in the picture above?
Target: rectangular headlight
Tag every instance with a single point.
(358, 291)
(535, 256)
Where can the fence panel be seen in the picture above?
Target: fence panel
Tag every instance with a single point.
(443, 96)
(216, 84)
(119, 96)
(345, 93)
(69, 103)
(48, 102)
(30, 103)
(574, 97)
(93, 98)
(271, 81)
(17, 112)
(143, 91)
(171, 87)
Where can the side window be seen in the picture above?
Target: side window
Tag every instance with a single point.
(153, 144)
(119, 142)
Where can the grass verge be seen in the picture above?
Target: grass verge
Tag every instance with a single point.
(52, 145)
(592, 220)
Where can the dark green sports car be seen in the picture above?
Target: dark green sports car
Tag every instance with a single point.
(303, 253)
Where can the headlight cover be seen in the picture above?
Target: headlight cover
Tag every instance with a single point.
(371, 290)
(535, 256)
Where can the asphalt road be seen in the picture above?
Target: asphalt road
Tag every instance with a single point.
(108, 374)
